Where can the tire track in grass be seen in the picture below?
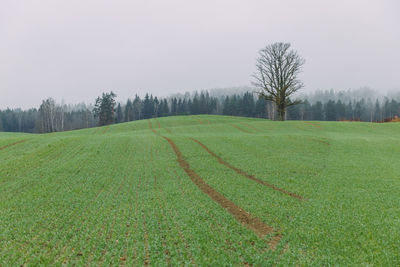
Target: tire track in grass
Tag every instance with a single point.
(154, 131)
(245, 174)
(322, 142)
(214, 223)
(313, 124)
(173, 214)
(13, 144)
(151, 127)
(105, 130)
(197, 120)
(248, 220)
(165, 128)
(250, 126)
(241, 129)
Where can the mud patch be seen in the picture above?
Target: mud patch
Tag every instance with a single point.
(251, 222)
(243, 173)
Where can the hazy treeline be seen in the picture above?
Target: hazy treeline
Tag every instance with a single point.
(329, 110)
(50, 117)
(322, 105)
(361, 110)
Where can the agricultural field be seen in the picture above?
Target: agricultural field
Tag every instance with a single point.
(203, 191)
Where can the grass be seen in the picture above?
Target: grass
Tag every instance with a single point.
(117, 195)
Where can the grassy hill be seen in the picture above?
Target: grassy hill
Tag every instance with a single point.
(202, 190)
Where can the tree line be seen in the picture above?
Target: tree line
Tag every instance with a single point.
(54, 117)
(365, 110)
(49, 117)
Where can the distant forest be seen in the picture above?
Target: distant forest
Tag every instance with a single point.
(322, 106)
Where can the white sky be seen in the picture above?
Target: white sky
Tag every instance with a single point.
(76, 49)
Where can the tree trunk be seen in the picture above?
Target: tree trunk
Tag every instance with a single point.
(62, 118)
(281, 113)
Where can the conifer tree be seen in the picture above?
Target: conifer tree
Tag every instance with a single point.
(120, 116)
(104, 108)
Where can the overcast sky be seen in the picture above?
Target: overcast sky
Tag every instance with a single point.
(76, 49)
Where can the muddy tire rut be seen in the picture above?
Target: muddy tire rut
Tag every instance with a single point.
(13, 144)
(245, 218)
(243, 173)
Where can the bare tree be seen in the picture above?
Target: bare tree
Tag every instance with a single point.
(62, 114)
(47, 115)
(277, 69)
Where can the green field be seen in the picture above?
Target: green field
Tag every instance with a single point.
(202, 190)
